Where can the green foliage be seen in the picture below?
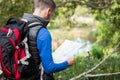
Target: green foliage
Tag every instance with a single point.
(78, 67)
(15, 8)
(109, 30)
(62, 16)
(97, 51)
(83, 64)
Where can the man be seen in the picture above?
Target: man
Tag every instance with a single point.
(39, 39)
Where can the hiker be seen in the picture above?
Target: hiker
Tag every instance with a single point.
(39, 39)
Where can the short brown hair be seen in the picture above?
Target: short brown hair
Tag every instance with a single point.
(43, 3)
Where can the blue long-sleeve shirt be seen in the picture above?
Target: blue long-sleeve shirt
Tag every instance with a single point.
(44, 46)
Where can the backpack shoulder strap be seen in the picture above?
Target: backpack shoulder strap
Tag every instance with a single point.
(31, 24)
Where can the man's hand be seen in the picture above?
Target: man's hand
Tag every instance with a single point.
(70, 61)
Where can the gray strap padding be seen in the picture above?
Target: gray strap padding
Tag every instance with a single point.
(31, 24)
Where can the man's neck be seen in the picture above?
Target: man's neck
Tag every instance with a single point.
(38, 13)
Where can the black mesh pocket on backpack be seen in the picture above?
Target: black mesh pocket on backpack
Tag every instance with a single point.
(29, 70)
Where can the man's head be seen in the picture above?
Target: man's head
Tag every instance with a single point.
(44, 8)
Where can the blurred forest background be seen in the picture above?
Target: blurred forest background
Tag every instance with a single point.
(94, 22)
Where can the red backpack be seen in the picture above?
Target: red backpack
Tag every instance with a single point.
(15, 59)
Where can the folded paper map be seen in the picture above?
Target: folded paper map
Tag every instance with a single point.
(66, 50)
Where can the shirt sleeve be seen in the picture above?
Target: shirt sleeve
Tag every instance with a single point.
(45, 52)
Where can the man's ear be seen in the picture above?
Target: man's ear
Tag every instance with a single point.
(47, 11)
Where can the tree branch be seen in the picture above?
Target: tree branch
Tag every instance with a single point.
(83, 74)
(101, 75)
(70, 1)
(91, 4)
